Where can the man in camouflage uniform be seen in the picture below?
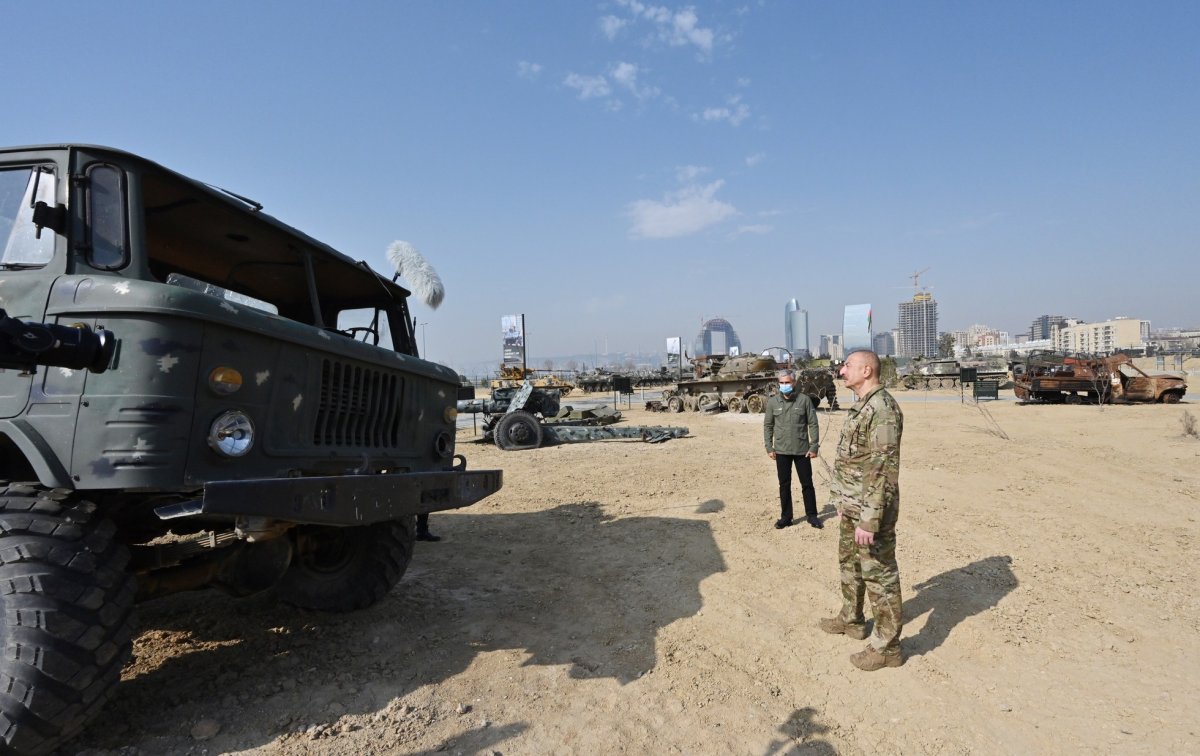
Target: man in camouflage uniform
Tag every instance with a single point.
(866, 492)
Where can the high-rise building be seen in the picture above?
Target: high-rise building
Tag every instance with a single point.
(795, 329)
(856, 327)
(883, 344)
(1040, 327)
(831, 345)
(918, 327)
(1102, 338)
(716, 337)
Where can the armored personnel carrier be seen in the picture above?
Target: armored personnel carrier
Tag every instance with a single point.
(263, 422)
(743, 384)
(513, 376)
(923, 374)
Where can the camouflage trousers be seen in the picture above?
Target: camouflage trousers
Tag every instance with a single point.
(872, 570)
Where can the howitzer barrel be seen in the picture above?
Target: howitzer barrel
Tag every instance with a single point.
(489, 406)
(575, 434)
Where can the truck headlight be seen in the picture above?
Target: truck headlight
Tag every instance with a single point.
(232, 433)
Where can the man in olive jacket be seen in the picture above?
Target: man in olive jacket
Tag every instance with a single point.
(791, 434)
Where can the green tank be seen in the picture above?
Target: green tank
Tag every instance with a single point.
(743, 384)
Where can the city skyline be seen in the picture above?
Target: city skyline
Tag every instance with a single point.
(623, 172)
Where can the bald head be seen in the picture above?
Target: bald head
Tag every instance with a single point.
(868, 358)
(861, 371)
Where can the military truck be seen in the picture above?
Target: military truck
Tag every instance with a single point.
(263, 422)
(1073, 379)
(743, 383)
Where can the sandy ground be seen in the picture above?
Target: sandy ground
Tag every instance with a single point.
(623, 597)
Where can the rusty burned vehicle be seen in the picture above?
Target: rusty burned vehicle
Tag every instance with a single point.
(1074, 379)
(263, 421)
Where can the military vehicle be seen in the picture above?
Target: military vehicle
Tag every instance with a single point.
(925, 374)
(596, 380)
(263, 421)
(1058, 378)
(512, 376)
(743, 384)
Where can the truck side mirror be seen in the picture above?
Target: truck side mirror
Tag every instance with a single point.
(53, 218)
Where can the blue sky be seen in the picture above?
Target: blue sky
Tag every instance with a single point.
(619, 170)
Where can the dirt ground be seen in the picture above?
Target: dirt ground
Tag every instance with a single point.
(622, 597)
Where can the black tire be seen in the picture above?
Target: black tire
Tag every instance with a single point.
(347, 569)
(66, 600)
(518, 430)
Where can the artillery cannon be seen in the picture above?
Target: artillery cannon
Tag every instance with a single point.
(528, 417)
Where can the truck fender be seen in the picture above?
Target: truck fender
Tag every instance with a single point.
(37, 453)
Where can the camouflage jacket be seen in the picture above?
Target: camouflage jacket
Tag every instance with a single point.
(866, 475)
(790, 425)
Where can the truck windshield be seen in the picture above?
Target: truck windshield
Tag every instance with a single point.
(19, 242)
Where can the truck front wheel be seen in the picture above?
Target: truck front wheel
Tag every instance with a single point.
(66, 600)
(346, 569)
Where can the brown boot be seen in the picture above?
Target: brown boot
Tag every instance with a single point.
(835, 626)
(870, 660)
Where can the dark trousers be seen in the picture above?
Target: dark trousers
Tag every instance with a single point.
(783, 466)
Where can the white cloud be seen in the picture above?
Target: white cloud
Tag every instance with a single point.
(676, 28)
(626, 75)
(610, 25)
(734, 112)
(680, 213)
(688, 173)
(527, 70)
(588, 86)
(755, 159)
(743, 82)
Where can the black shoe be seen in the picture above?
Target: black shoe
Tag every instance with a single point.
(425, 535)
(781, 523)
(815, 522)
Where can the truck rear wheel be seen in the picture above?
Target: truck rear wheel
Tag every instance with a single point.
(66, 605)
(346, 569)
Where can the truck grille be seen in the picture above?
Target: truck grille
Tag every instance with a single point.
(357, 406)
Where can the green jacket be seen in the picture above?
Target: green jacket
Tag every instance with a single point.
(866, 475)
(790, 425)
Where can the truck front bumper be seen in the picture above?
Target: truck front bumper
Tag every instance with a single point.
(340, 499)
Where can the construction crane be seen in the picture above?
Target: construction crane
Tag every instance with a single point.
(916, 278)
(919, 292)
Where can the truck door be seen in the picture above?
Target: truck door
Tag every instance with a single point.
(30, 259)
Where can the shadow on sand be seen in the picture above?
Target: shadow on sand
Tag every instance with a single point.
(954, 595)
(567, 587)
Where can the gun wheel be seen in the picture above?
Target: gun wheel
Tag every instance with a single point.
(756, 403)
(675, 404)
(518, 430)
(735, 404)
